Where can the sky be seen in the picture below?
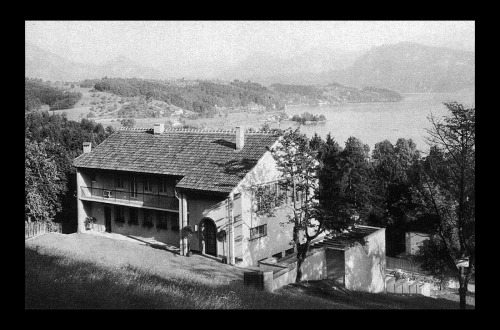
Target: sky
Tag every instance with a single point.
(195, 43)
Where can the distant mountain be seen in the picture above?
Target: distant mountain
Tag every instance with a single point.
(311, 67)
(41, 63)
(410, 67)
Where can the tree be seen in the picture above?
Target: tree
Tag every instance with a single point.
(300, 187)
(394, 167)
(447, 191)
(357, 186)
(44, 183)
(299, 169)
(128, 122)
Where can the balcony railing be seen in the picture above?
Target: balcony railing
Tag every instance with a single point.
(133, 198)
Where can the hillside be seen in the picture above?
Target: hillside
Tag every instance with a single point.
(333, 93)
(201, 97)
(412, 68)
(38, 93)
(91, 271)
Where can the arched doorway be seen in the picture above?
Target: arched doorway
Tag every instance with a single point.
(209, 236)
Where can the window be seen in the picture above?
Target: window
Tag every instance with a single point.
(133, 218)
(119, 182)
(278, 255)
(289, 251)
(258, 231)
(268, 196)
(162, 222)
(166, 186)
(148, 219)
(119, 214)
(147, 184)
(174, 220)
(133, 187)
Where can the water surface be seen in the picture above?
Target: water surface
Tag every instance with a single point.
(375, 122)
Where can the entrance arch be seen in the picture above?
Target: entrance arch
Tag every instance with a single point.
(209, 235)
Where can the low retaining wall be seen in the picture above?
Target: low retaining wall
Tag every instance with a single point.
(285, 272)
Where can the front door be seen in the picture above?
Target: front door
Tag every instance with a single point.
(210, 238)
(107, 218)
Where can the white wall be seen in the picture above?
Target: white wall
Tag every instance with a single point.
(365, 264)
(413, 241)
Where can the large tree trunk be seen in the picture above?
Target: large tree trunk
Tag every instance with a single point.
(301, 256)
(462, 291)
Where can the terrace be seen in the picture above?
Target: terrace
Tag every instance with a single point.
(130, 198)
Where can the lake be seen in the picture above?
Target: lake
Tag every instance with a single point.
(375, 122)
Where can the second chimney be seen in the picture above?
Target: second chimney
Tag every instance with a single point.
(240, 137)
(159, 128)
(87, 147)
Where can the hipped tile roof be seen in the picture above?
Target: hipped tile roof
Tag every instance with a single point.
(206, 160)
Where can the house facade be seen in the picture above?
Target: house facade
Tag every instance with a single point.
(150, 183)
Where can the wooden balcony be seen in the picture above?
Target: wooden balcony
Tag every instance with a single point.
(135, 199)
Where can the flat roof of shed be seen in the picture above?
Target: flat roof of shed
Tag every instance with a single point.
(345, 240)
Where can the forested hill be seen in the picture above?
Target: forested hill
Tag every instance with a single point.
(333, 93)
(198, 96)
(37, 93)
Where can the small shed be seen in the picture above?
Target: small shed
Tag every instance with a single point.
(356, 258)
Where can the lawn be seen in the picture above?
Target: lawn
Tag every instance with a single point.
(86, 271)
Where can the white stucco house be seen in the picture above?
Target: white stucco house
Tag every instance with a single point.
(151, 182)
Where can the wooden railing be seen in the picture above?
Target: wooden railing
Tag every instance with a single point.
(143, 199)
(36, 228)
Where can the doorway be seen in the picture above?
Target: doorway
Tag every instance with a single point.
(210, 237)
(107, 218)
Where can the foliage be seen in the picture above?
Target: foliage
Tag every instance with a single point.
(395, 170)
(44, 181)
(299, 176)
(447, 189)
(333, 93)
(306, 116)
(200, 96)
(221, 235)
(187, 232)
(433, 255)
(128, 122)
(63, 140)
(37, 93)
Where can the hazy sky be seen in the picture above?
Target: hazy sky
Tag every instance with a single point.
(185, 43)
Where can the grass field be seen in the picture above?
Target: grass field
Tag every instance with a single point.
(81, 271)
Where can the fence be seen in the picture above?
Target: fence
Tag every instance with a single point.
(36, 228)
(403, 264)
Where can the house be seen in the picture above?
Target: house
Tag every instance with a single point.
(149, 183)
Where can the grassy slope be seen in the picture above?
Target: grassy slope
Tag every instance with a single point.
(86, 271)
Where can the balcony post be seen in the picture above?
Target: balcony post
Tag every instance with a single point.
(80, 208)
(230, 203)
(182, 222)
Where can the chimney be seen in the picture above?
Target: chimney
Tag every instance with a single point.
(87, 147)
(240, 137)
(159, 128)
